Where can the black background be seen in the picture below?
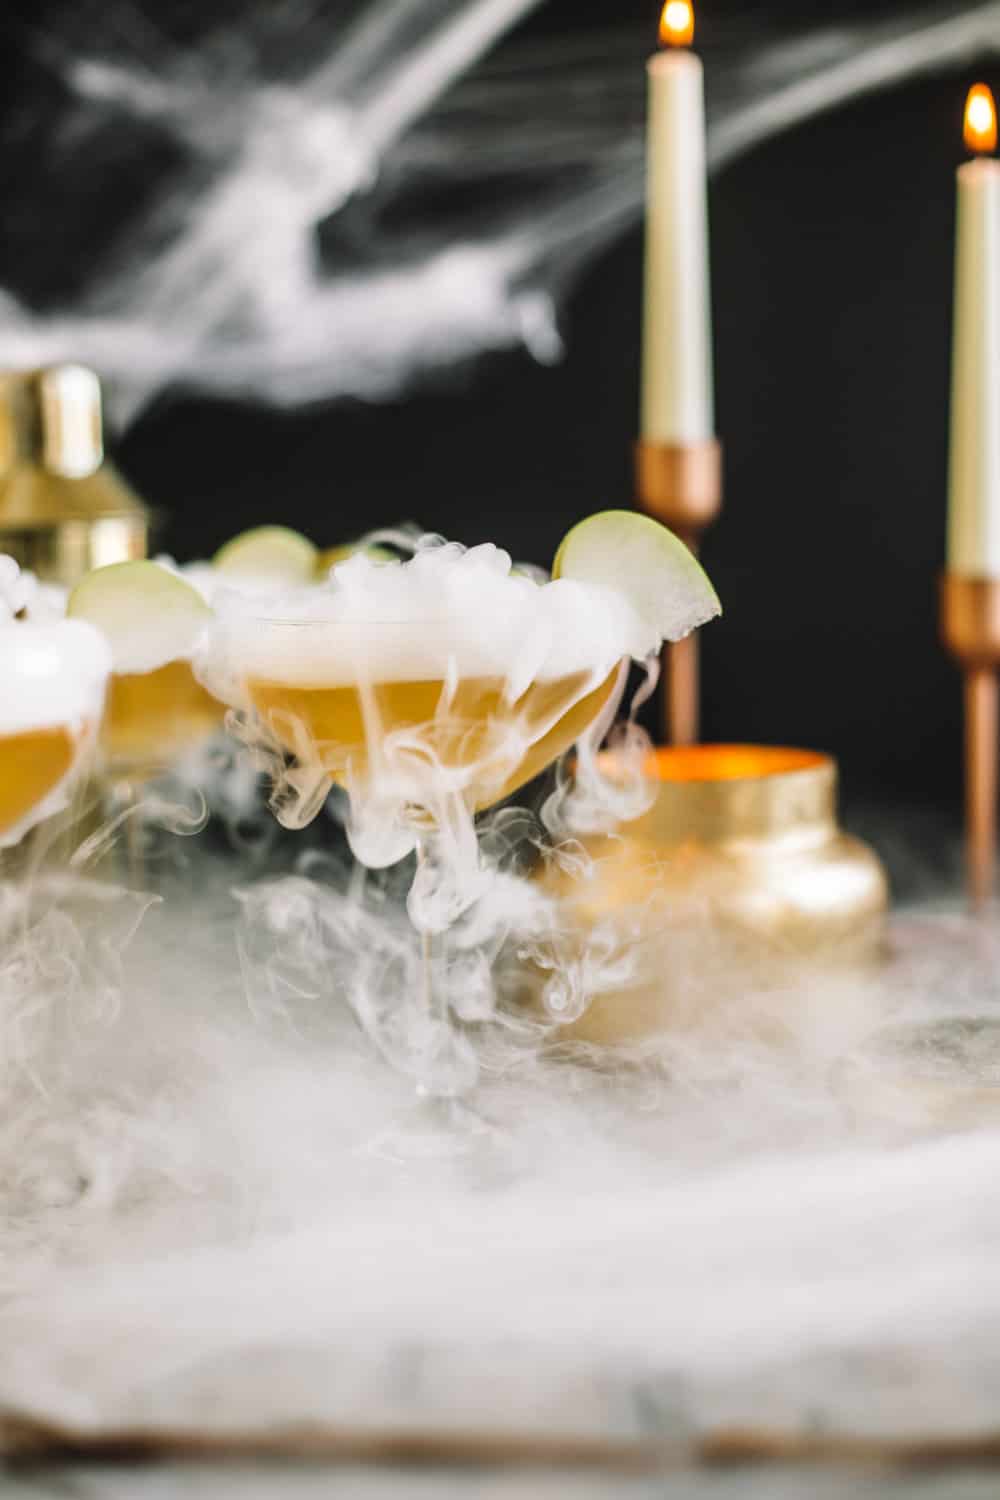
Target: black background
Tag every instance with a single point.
(831, 263)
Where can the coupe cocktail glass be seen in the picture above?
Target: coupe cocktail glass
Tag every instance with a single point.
(422, 737)
(155, 717)
(52, 685)
(153, 720)
(402, 715)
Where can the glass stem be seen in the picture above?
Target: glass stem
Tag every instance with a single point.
(127, 799)
(426, 950)
(427, 976)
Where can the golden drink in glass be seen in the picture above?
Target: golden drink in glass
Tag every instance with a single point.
(32, 765)
(52, 684)
(153, 717)
(470, 728)
(470, 684)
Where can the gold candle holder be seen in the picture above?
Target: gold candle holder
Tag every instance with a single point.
(737, 881)
(680, 484)
(64, 508)
(970, 628)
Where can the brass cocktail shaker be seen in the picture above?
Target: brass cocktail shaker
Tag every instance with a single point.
(64, 508)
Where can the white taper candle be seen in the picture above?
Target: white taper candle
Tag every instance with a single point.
(974, 462)
(677, 404)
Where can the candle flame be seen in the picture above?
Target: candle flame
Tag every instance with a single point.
(677, 24)
(980, 119)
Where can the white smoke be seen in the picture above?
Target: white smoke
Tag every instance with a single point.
(213, 1163)
(242, 1148)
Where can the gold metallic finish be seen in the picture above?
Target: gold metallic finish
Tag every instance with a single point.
(72, 431)
(970, 628)
(970, 618)
(981, 781)
(737, 882)
(63, 507)
(727, 794)
(682, 690)
(680, 484)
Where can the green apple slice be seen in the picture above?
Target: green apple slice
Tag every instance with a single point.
(647, 564)
(148, 615)
(331, 556)
(269, 553)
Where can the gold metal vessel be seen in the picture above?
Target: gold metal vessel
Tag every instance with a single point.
(64, 508)
(738, 880)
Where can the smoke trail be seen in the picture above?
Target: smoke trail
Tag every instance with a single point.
(430, 692)
(262, 263)
(784, 1211)
(233, 1151)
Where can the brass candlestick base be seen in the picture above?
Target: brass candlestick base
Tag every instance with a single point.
(970, 627)
(680, 484)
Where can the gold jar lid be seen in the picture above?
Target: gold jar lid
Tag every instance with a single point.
(726, 794)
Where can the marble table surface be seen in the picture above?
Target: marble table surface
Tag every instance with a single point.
(278, 1483)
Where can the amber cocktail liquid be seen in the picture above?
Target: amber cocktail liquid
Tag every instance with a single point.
(154, 716)
(472, 726)
(32, 764)
(52, 684)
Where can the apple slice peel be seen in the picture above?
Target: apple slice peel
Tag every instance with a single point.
(148, 615)
(647, 565)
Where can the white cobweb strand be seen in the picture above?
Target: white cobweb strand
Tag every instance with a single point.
(228, 295)
(223, 286)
